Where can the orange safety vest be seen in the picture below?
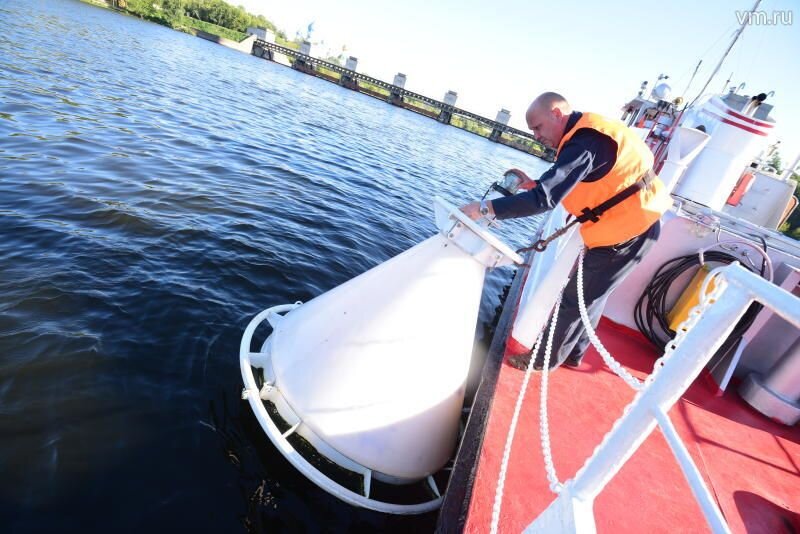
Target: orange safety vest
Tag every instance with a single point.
(634, 215)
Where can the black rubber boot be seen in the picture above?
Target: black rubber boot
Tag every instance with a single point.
(521, 362)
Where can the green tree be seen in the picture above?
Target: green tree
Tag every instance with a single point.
(776, 163)
(792, 225)
(172, 9)
(218, 12)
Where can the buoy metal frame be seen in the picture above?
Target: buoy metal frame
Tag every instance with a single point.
(271, 392)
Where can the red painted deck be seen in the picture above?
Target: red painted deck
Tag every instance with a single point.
(751, 464)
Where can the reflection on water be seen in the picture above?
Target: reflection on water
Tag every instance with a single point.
(156, 192)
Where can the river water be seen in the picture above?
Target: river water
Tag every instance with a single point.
(156, 192)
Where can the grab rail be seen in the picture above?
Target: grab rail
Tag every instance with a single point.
(685, 357)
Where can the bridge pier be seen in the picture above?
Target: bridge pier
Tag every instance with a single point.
(396, 93)
(301, 62)
(502, 121)
(265, 35)
(446, 113)
(263, 52)
(347, 80)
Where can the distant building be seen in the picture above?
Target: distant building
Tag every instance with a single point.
(262, 33)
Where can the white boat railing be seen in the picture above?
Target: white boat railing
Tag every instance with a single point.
(698, 338)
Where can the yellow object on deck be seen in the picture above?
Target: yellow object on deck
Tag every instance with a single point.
(689, 298)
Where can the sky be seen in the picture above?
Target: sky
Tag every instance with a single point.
(501, 54)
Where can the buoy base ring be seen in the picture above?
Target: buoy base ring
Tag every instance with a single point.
(270, 392)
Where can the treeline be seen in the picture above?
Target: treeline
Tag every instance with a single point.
(792, 225)
(172, 12)
(225, 15)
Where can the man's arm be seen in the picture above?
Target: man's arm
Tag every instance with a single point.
(573, 164)
(588, 156)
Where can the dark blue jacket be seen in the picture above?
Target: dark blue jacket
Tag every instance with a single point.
(587, 156)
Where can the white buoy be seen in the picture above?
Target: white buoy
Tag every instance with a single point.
(372, 373)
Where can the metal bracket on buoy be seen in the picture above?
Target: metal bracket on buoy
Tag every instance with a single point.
(467, 235)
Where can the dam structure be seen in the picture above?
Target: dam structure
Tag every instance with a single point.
(444, 111)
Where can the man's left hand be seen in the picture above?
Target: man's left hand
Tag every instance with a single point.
(473, 210)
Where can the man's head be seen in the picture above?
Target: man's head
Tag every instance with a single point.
(547, 118)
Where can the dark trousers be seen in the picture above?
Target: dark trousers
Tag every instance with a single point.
(604, 268)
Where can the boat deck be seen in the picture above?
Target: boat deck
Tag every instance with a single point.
(750, 464)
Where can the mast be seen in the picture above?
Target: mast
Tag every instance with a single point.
(688, 85)
(725, 85)
(745, 21)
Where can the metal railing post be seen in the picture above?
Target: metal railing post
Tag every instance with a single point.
(701, 494)
(680, 369)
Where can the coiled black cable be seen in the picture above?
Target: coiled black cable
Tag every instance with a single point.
(651, 311)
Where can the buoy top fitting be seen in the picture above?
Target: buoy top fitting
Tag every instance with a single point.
(470, 237)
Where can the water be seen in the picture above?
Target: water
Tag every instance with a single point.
(156, 192)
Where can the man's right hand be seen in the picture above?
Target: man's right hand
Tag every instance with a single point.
(526, 184)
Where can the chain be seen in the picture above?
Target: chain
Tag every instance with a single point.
(613, 364)
(541, 245)
(706, 300)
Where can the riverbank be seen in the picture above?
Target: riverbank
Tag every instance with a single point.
(188, 17)
(180, 23)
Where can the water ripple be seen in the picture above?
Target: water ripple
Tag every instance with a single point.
(157, 191)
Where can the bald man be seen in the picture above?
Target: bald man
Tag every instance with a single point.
(596, 159)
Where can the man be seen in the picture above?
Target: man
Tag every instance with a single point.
(596, 159)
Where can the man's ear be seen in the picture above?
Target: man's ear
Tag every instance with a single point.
(557, 113)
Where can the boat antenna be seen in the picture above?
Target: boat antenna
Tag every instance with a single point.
(745, 21)
(725, 85)
(688, 85)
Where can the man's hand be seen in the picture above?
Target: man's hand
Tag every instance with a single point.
(473, 210)
(527, 184)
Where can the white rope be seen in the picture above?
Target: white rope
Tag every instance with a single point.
(555, 485)
(544, 427)
(706, 300)
(613, 364)
(501, 480)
